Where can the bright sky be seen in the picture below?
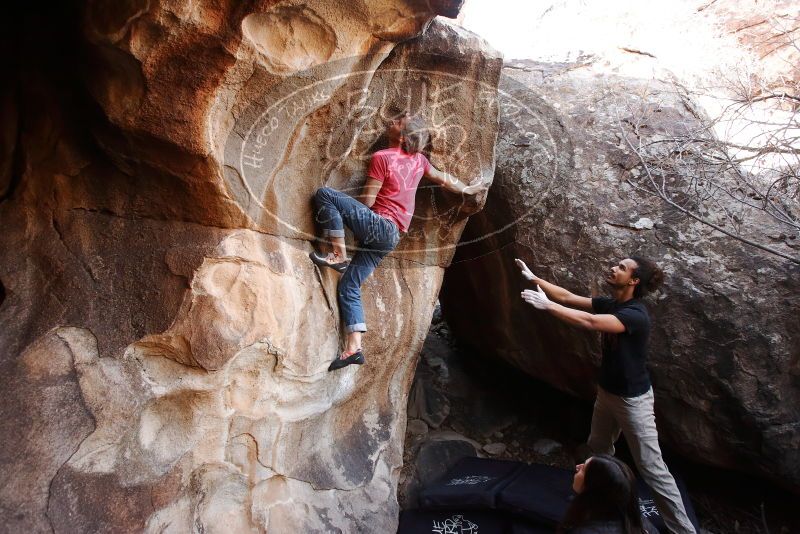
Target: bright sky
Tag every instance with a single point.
(682, 39)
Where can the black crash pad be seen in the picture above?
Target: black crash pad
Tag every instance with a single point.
(648, 507)
(519, 526)
(472, 483)
(466, 522)
(453, 522)
(539, 492)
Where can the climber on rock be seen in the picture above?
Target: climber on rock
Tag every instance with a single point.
(624, 401)
(377, 219)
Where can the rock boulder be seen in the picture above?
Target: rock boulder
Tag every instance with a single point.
(725, 347)
(164, 338)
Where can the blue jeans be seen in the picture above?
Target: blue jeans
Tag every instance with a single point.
(376, 235)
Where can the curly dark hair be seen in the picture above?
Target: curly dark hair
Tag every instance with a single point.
(609, 494)
(649, 274)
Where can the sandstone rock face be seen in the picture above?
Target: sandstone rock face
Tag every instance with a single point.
(725, 348)
(164, 337)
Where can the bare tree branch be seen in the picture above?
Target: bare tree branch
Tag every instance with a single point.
(662, 194)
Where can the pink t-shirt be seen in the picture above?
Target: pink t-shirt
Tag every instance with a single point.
(400, 174)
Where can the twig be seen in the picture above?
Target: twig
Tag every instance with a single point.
(661, 192)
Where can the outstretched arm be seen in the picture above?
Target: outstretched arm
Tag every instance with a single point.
(557, 293)
(601, 322)
(451, 183)
(369, 192)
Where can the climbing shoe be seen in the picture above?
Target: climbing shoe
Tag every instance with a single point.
(322, 261)
(356, 358)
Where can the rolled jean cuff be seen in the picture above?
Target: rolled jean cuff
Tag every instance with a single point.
(358, 327)
(332, 233)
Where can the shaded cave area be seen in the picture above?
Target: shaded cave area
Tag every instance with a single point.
(462, 404)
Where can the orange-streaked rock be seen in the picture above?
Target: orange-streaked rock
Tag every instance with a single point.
(165, 337)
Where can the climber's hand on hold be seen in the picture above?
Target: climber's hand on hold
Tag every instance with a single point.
(476, 186)
(526, 272)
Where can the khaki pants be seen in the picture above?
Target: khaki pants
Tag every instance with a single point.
(634, 417)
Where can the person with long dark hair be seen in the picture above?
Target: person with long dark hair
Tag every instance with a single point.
(624, 403)
(606, 501)
(377, 219)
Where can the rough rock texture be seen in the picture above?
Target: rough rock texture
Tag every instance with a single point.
(725, 348)
(489, 405)
(767, 30)
(164, 338)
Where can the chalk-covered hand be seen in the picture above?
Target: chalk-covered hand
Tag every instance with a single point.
(526, 273)
(477, 185)
(537, 298)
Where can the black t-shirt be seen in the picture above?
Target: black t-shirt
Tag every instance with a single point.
(623, 370)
